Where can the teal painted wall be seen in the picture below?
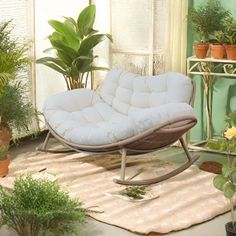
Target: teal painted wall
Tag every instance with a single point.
(224, 91)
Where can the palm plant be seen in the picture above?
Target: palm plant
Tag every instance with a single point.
(73, 43)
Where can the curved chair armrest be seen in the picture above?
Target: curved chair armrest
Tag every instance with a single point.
(72, 100)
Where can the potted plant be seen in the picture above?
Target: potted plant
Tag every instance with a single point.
(206, 19)
(16, 111)
(225, 182)
(35, 207)
(73, 43)
(230, 35)
(217, 49)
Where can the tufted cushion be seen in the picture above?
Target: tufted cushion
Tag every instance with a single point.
(128, 105)
(127, 92)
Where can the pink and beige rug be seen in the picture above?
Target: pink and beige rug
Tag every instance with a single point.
(184, 200)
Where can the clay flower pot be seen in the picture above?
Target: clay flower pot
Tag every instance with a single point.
(201, 50)
(229, 229)
(217, 51)
(4, 164)
(5, 136)
(231, 52)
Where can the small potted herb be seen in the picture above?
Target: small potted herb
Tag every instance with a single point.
(217, 48)
(230, 36)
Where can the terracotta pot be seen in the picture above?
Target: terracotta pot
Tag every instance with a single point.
(5, 136)
(229, 229)
(201, 50)
(4, 164)
(217, 51)
(231, 52)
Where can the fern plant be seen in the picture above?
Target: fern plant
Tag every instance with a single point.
(73, 43)
(35, 207)
(13, 55)
(16, 111)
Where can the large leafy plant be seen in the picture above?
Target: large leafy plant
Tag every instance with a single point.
(35, 207)
(73, 43)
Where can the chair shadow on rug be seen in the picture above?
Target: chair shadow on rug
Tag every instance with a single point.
(131, 115)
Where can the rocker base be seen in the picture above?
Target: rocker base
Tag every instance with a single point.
(159, 178)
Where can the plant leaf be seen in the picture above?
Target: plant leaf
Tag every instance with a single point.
(90, 42)
(86, 20)
(219, 181)
(229, 190)
(55, 67)
(52, 59)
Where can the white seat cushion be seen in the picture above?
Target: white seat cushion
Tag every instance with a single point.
(82, 117)
(127, 92)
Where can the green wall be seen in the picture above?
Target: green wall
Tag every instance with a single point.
(224, 92)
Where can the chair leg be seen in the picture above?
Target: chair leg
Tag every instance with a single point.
(123, 163)
(43, 148)
(122, 180)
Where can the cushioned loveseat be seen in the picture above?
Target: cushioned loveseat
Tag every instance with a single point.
(132, 114)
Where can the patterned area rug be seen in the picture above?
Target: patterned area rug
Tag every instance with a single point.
(184, 200)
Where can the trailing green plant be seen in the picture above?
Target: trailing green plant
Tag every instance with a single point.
(73, 42)
(135, 192)
(13, 54)
(16, 111)
(207, 18)
(35, 207)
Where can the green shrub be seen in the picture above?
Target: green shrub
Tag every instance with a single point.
(34, 207)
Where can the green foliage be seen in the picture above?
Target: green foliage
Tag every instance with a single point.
(228, 33)
(34, 207)
(231, 119)
(73, 43)
(225, 182)
(135, 192)
(219, 37)
(208, 18)
(230, 30)
(13, 55)
(16, 111)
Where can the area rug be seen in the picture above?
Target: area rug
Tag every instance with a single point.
(184, 200)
